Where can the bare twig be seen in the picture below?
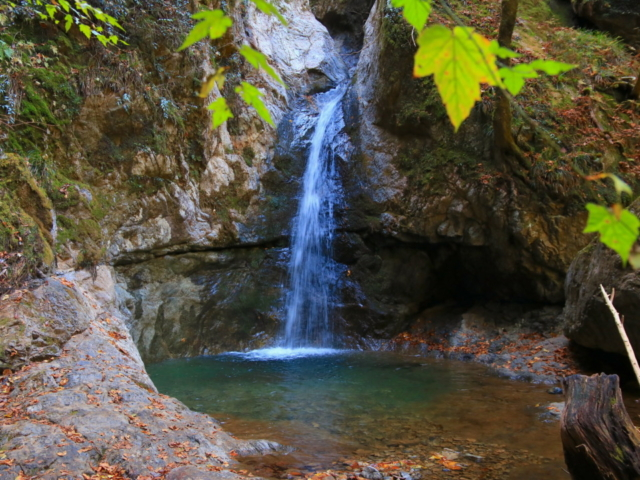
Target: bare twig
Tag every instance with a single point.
(623, 334)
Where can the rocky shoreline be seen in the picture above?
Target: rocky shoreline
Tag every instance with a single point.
(78, 403)
(76, 400)
(518, 342)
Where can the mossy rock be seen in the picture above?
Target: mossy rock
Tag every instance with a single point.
(27, 221)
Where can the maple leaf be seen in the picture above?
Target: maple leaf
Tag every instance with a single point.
(251, 95)
(416, 12)
(213, 24)
(460, 60)
(221, 111)
(259, 60)
(618, 228)
(269, 9)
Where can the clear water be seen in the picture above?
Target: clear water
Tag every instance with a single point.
(311, 271)
(338, 405)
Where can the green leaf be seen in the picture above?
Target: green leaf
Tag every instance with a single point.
(460, 60)
(103, 40)
(502, 52)
(551, 67)
(221, 112)
(269, 9)
(259, 60)
(68, 22)
(65, 5)
(112, 21)
(251, 95)
(416, 12)
(213, 24)
(618, 227)
(514, 77)
(86, 29)
(51, 10)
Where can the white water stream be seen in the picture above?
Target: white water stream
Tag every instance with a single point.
(311, 271)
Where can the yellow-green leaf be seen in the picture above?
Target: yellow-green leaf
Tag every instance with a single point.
(213, 24)
(68, 21)
(86, 29)
(217, 78)
(514, 77)
(416, 12)
(460, 60)
(51, 10)
(620, 185)
(259, 60)
(270, 9)
(103, 40)
(502, 52)
(221, 112)
(551, 67)
(251, 95)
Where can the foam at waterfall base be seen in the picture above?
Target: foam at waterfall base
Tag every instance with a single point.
(282, 353)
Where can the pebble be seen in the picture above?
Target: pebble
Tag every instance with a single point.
(555, 391)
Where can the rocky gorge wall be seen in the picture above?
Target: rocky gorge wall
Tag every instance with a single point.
(196, 221)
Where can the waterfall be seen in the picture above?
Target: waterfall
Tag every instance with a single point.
(311, 271)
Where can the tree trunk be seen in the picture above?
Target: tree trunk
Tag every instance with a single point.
(508, 16)
(599, 439)
(635, 94)
(505, 144)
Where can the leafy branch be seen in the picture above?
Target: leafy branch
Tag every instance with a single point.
(91, 21)
(214, 24)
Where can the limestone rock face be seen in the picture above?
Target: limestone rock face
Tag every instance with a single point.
(203, 302)
(587, 319)
(196, 220)
(619, 17)
(92, 402)
(420, 225)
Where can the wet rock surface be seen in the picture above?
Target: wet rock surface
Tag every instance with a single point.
(431, 215)
(588, 321)
(203, 302)
(90, 408)
(518, 342)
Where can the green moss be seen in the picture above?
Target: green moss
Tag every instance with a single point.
(25, 211)
(143, 184)
(248, 155)
(425, 105)
(35, 108)
(397, 33)
(433, 167)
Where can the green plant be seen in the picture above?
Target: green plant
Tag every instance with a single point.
(89, 20)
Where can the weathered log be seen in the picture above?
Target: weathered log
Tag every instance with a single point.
(599, 439)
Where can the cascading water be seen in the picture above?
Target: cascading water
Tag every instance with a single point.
(311, 271)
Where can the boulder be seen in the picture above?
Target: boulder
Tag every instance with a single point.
(588, 321)
(618, 17)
